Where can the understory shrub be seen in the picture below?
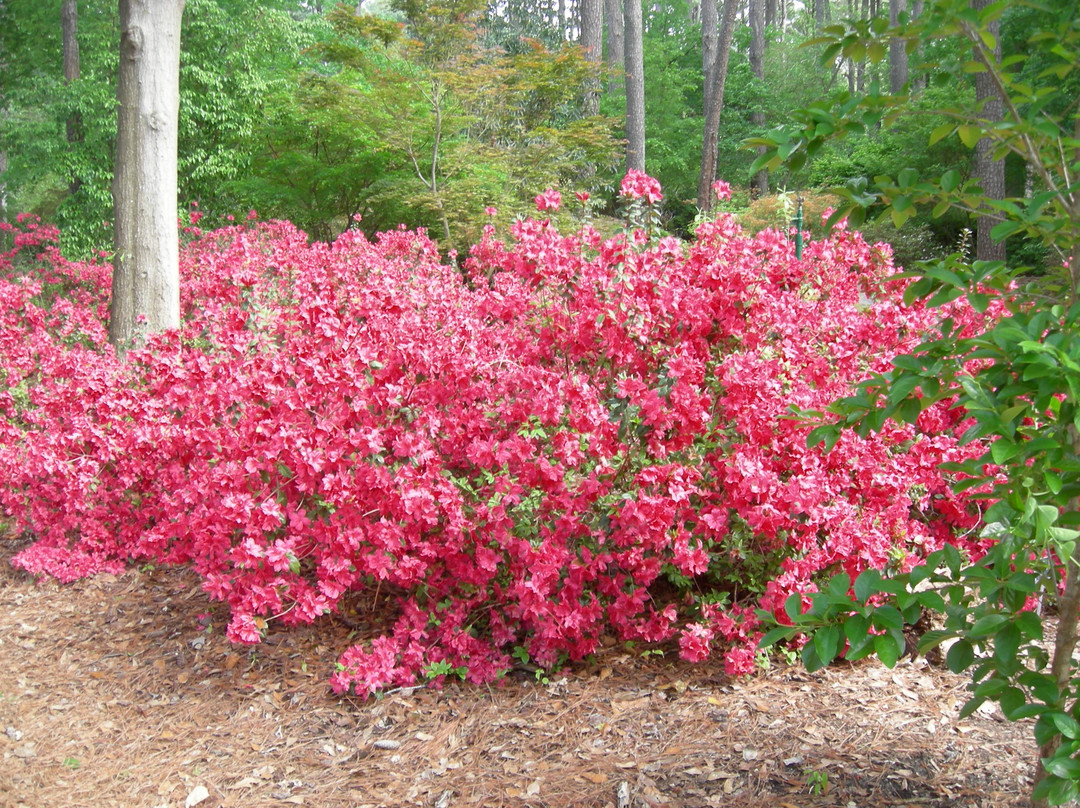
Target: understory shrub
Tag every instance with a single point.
(587, 438)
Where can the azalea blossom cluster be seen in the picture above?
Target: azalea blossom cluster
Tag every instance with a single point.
(589, 439)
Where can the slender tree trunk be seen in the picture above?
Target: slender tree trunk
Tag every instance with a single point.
(613, 19)
(1061, 665)
(860, 68)
(635, 85)
(819, 13)
(710, 37)
(760, 183)
(898, 61)
(3, 186)
(714, 105)
(146, 283)
(592, 41)
(990, 172)
(69, 28)
(918, 81)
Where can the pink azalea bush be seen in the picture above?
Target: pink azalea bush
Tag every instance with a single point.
(587, 439)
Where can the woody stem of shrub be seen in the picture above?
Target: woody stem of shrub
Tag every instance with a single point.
(1065, 640)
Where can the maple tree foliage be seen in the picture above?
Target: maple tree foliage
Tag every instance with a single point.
(588, 438)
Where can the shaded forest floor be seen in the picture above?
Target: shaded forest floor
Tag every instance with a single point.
(113, 692)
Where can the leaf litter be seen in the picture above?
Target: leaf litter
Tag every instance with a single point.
(128, 675)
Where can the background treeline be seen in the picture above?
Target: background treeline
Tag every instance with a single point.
(427, 112)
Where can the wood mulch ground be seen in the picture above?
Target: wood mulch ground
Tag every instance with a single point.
(122, 691)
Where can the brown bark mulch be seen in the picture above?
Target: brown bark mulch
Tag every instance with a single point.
(122, 691)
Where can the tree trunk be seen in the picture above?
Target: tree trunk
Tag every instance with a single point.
(989, 172)
(714, 105)
(69, 30)
(146, 282)
(613, 18)
(592, 41)
(919, 81)
(1061, 666)
(710, 36)
(635, 86)
(760, 183)
(898, 61)
(770, 12)
(3, 186)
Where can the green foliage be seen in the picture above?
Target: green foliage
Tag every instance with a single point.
(427, 129)
(234, 56)
(1018, 380)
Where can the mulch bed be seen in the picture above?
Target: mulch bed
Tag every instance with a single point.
(122, 691)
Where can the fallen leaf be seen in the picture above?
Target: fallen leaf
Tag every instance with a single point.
(197, 795)
(595, 777)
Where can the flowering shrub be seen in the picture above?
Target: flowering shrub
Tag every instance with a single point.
(587, 439)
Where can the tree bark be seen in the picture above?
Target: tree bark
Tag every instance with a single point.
(714, 105)
(146, 277)
(613, 19)
(635, 85)
(918, 82)
(592, 41)
(990, 172)
(710, 37)
(69, 30)
(898, 61)
(760, 183)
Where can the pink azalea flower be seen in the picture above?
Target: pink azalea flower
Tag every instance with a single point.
(549, 200)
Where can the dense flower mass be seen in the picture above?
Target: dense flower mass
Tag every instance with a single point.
(589, 438)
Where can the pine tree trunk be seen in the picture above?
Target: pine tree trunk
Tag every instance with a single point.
(635, 85)
(146, 286)
(714, 105)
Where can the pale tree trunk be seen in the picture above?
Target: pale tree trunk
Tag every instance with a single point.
(635, 85)
(714, 105)
(989, 172)
(146, 277)
(898, 61)
(592, 42)
(760, 183)
(770, 12)
(613, 20)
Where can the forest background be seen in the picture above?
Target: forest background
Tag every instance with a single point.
(425, 114)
